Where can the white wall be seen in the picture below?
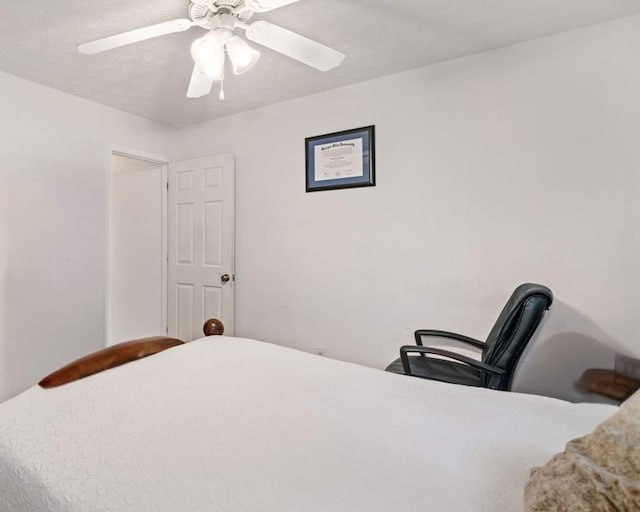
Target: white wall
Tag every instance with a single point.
(52, 171)
(4, 363)
(519, 164)
(514, 165)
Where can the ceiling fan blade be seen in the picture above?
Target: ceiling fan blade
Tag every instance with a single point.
(134, 36)
(267, 5)
(294, 45)
(199, 85)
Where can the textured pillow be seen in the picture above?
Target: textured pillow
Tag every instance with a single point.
(597, 472)
(109, 357)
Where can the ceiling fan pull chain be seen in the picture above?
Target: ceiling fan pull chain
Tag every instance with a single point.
(221, 96)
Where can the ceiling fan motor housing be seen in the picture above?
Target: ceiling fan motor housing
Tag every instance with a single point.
(206, 13)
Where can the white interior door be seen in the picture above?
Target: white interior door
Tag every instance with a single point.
(201, 245)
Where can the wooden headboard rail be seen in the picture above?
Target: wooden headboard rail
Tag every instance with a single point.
(120, 354)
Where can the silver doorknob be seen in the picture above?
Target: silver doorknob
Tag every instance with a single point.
(225, 278)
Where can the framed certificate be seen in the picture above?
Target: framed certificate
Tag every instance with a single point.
(341, 160)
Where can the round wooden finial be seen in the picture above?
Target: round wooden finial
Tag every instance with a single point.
(213, 327)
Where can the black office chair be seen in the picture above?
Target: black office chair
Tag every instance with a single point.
(500, 353)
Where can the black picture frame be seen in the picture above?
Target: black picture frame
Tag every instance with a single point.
(340, 168)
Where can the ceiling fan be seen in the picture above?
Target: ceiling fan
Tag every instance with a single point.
(221, 18)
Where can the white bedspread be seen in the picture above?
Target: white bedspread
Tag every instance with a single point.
(234, 425)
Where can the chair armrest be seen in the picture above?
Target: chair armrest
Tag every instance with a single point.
(483, 367)
(445, 334)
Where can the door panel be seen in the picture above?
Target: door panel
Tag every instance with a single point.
(201, 245)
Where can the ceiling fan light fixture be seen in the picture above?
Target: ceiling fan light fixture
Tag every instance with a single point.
(221, 18)
(242, 56)
(208, 54)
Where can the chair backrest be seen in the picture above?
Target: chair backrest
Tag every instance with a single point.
(512, 331)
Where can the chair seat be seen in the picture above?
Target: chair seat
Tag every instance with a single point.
(439, 369)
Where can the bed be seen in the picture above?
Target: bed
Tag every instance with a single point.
(227, 424)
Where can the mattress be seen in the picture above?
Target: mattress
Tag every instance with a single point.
(236, 425)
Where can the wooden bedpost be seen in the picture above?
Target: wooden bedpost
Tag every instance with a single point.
(213, 327)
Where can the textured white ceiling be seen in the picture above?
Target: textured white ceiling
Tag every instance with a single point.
(38, 41)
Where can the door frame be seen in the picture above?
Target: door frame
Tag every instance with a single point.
(162, 161)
